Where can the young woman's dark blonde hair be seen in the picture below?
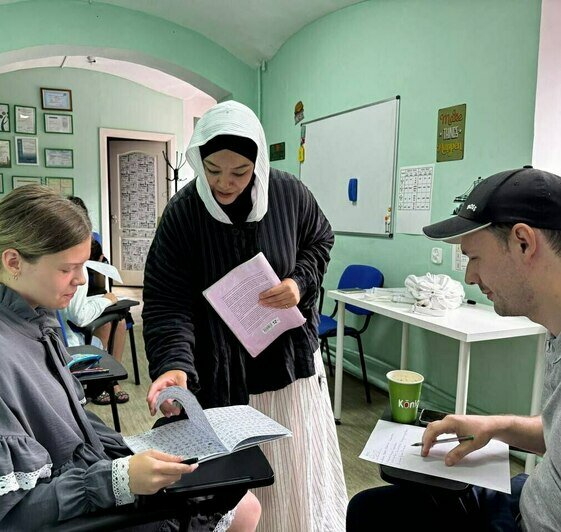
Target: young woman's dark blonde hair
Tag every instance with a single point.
(37, 221)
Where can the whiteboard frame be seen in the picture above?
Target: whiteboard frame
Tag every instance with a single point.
(396, 143)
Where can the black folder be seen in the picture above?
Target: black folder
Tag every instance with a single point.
(243, 469)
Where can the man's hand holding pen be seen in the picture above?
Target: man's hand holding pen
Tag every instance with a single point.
(476, 427)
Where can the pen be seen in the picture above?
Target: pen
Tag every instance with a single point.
(190, 461)
(447, 440)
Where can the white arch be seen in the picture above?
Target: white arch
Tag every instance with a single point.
(132, 56)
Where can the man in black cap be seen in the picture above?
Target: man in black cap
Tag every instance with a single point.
(510, 229)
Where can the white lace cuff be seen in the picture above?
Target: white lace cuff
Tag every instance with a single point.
(120, 481)
(25, 481)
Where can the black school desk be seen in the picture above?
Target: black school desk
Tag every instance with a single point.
(99, 382)
(228, 476)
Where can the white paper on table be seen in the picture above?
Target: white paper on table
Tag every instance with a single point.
(105, 269)
(235, 298)
(390, 444)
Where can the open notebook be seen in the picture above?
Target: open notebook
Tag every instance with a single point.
(207, 434)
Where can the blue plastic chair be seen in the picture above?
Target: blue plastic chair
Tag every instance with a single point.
(354, 276)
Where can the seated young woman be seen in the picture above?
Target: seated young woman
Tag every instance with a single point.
(58, 461)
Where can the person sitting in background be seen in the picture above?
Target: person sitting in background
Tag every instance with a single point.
(96, 280)
(57, 460)
(84, 309)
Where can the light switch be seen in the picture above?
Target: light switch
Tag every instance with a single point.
(436, 255)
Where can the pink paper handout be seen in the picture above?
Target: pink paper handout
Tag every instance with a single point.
(235, 298)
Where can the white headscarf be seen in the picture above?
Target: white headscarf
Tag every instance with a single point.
(231, 118)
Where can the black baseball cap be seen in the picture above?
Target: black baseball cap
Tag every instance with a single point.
(526, 195)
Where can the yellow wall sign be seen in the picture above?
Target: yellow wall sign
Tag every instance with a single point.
(451, 130)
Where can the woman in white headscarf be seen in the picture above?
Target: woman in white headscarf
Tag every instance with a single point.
(235, 208)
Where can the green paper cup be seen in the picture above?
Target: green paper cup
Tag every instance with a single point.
(404, 387)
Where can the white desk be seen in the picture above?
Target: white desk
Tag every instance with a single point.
(469, 323)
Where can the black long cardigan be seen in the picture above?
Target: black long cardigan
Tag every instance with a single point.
(192, 250)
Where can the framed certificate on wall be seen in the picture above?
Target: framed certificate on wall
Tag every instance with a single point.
(4, 118)
(59, 158)
(5, 154)
(25, 119)
(58, 123)
(63, 185)
(21, 181)
(27, 151)
(60, 99)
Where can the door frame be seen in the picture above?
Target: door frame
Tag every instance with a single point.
(104, 135)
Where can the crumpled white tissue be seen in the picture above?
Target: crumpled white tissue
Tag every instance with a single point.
(435, 294)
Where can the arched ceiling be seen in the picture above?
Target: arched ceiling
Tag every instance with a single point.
(252, 30)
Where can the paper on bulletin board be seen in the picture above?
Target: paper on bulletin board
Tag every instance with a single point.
(459, 260)
(414, 199)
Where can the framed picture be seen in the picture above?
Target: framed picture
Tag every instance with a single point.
(57, 123)
(1, 183)
(27, 151)
(25, 119)
(63, 185)
(59, 158)
(5, 154)
(58, 99)
(21, 181)
(4, 118)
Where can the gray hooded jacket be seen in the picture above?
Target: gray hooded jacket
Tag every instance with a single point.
(55, 459)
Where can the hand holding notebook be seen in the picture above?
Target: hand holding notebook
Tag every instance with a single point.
(207, 434)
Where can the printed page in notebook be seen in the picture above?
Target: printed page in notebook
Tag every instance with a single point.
(207, 434)
(390, 444)
(235, 298)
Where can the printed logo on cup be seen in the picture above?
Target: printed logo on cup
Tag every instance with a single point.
(405, 403)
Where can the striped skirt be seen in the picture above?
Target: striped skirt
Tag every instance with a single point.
(309, 493)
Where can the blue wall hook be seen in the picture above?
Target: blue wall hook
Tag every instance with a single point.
(353, 189)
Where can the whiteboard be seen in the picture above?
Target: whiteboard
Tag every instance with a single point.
(362, 144)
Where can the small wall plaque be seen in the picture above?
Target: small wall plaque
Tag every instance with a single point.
(276, 151)
(451, 133)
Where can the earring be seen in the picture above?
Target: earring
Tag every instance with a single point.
(15, 277)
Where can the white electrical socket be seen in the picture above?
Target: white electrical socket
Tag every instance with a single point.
(436, 255)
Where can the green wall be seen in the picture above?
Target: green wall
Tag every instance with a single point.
(39, 28)
(99, 100)
(434, 54)
(97, 27)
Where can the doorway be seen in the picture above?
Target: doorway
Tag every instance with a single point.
(134, 193)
